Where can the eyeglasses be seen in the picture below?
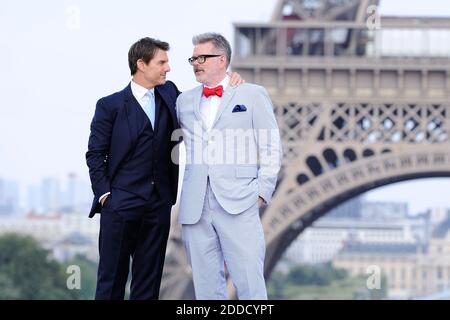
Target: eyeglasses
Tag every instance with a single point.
(202, 58)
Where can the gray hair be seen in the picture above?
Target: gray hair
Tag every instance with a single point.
(217, 40)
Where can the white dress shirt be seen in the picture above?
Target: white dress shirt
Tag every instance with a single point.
(209, 106)
(140, 93)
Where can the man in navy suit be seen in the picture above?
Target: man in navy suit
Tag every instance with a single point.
(133, 178)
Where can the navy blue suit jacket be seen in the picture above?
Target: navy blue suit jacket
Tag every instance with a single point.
(114, 134)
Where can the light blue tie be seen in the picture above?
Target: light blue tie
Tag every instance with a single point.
(149, 108)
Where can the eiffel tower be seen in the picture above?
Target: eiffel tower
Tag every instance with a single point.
(362, 101)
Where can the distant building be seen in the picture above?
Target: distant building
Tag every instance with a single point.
(438, 215)
(380, 210)
(9, 197)
(323, 241)
(52, 196)
(412, 270)
(356, 220)
(77, 196)
(349, 209)
(72, 245)
(63, 233)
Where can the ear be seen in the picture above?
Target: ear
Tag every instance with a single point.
(223, 60)
(140, 64)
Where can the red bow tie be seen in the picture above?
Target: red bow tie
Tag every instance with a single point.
(218, 91)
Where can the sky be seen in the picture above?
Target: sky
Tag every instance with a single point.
(57, 58)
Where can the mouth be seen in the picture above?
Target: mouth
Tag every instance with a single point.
(197, 71)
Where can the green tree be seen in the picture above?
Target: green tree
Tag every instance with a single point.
(28, 272)
(380, 294)
(275, 285)
(88, 270)
(315, 275)
(301, 275)
(7, 288)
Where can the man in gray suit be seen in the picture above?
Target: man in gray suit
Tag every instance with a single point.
(233, 158)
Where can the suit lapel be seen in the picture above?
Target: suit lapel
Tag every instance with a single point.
(226, 99)
(158, 105)
(131, 113)
(168, 101)
(197, 95)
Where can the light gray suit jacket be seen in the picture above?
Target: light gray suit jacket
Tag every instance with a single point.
(241, 153)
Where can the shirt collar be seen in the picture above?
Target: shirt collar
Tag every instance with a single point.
(224, 83)
(140, 91)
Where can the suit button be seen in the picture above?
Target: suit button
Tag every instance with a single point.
(153, 182)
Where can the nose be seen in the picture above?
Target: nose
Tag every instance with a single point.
(168, 68)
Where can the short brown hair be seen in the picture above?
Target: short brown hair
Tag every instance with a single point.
(144, 49)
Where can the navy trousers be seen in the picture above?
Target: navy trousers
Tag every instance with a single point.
(139, 233)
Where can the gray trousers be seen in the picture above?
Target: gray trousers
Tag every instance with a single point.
(220, 240)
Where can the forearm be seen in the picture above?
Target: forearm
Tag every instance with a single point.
(98, 149)
(98, 172)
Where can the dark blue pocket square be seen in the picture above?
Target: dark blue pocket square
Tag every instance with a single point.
(239, 108)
